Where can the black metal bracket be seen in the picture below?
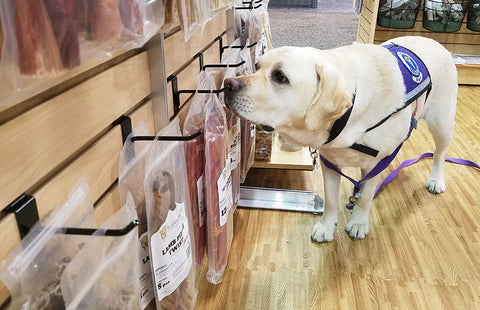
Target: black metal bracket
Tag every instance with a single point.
(237, 46)
(125, 123)
(91, 231)
(250, 5)
(167, 138)
(26, 213)
(224, 65)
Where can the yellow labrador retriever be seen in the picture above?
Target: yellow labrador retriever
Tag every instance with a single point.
(334, 100)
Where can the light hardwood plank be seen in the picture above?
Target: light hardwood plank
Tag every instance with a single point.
(422, 251)
(38, 141)
(99, 165)
(178, 52)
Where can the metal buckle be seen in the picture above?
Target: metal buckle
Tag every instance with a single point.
(314, 155)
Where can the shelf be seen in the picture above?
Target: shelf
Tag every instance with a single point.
(299, 160)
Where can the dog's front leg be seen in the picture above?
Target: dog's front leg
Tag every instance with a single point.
(324, 229)
(358, 226)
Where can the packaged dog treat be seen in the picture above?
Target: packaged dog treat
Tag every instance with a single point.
(130, 182)
(218, 189)
(216, 5)
(193, 15)
(104, 273)
(29, 43)
(238, 146)
(45, 38)
(263, 144)
(170, 227)
(64, 24)
(195, 160)
(33, 270)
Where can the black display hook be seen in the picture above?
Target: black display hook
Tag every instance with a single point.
(91, 231)
(250, 5)
(166, 138)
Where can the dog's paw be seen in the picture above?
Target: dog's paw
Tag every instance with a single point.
(323, 232)
(356, 229)
(436, 185)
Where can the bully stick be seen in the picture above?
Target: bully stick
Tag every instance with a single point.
(64, 24)
(37, 48)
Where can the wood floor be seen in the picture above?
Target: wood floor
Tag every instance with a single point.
(423, 250)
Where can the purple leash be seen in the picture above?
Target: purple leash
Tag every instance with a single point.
(410, 162)
(381, 165)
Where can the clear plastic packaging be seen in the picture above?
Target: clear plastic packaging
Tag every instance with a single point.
(170, 227)
(104, 274)
(218, 189)
(130, 181)
(217, 5)
(241, 143)
(33, 270)
(44, 39)
(195, 160)
(193, 15)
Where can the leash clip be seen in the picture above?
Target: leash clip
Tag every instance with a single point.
(314, 155)
(352, 200)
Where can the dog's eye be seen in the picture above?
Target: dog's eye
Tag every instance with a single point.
(279, 77)
(257, 66)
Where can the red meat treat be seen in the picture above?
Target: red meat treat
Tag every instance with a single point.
(218, 191)
(64, 24)
(37, 48)
(104, 20)
(131, 17)
(194, 153)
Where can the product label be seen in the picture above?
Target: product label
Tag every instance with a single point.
(262, 46)
(235, 146)
(202, 208)
(225, 200)
(253, 130)
(171, 252)
(146, 284)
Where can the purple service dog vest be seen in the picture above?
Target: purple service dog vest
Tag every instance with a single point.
(415, 74)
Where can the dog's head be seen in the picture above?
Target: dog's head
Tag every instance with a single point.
(293, 89)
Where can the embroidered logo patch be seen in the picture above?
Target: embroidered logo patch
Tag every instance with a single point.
(411, 66)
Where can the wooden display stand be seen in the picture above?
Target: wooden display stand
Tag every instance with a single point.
(53, 135)
(463, 41)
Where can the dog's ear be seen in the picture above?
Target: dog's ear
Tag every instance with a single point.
(331, 101)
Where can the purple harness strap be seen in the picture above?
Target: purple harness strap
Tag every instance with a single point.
(381, 165)
(391, 176)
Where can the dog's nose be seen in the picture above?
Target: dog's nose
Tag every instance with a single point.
(233, 84)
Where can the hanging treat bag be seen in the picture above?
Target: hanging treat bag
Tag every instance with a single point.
(247, 129)
(33, 270)
(104, 274)
(194, 14)
(220, 5)
(238, 147)
(218, 189)
(195, 159)
(30, 47)
(130, 181)
(170, 228)
(263, 21)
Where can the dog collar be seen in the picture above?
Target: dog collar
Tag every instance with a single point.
(340, 124)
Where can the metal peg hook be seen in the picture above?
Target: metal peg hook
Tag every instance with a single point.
(91, 231)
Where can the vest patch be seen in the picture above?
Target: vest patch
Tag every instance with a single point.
(415, 74)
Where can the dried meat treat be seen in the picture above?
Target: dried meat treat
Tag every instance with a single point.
(81, 15)
(104, 20)
(37, 47)
(132, 18)
(194, 151)
(218, 187)
(64, 24)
